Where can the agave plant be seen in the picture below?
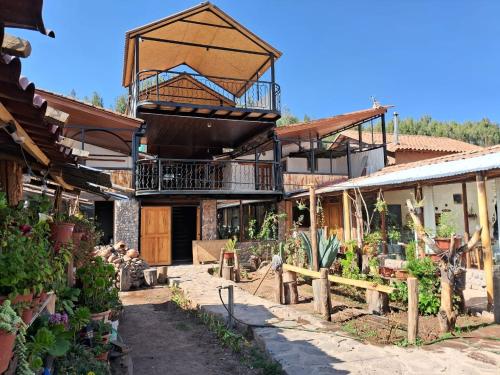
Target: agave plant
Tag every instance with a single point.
(328, 247)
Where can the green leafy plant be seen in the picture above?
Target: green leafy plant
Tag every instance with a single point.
(9, 320)
(446, 226)
(98, 291)
(231, 245)
(328, 247)
(350, 268)
(394, 235)
(80, 360)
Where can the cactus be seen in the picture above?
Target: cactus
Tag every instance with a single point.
(328, 248)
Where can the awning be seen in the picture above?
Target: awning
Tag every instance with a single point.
(443, 168)
(318, 129)
(24, 14)
(103, 127)
(204, 38)
(195, 137)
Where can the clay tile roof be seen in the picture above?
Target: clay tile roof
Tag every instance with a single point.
(415, 142)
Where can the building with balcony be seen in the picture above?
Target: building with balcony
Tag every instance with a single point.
(205, 87)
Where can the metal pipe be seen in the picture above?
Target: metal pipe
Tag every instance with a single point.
(395, 120)
(384, 138)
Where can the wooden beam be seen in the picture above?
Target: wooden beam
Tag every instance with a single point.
(15, 46)
(482, 202)
(313, 229)
(58, 178)
(346, 203)
(27, 144)
(341, 280)
(56, 117)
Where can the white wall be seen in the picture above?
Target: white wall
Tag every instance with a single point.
(125, 161)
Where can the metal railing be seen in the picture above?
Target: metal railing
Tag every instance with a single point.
(182, 176)
(206, 91)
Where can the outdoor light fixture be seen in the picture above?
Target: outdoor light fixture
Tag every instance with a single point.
(209, 124)
(27, 176)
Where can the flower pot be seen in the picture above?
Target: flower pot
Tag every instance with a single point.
(401, 274)
(104, 316)
(77, 238)
(27, 315)
(7, 341)
(434, 257)
(228, 255)
(24, 298)
(103, 356)
(442, 243)
(386, 271)
(61, 234)
(43, 296)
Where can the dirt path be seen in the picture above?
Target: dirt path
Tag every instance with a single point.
(167, 340)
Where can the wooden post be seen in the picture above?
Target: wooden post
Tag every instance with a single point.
(11, 181)
(412, 309)
(447, 317)
(383, 229)
(496, 294)
(278, 286)
(378, 302)
(161, 273)
(290, 291)
(326, 302)
(466, 222)
(346, 204)
(150, 276)
(419, 196)
(237, 275)
(485, 236)
(227, 272)
(221, 261)
(313, 231)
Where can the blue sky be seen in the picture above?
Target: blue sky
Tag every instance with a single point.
(440, 58)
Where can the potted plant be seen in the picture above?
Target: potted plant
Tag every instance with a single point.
(61, 231)
(371, 243)
(98, 291)
(445, 229)
(229, 250)
(9, 325)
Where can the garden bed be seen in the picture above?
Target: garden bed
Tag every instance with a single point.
(350, 312)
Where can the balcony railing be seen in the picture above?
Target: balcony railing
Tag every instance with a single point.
(180, 176)
(172, 87)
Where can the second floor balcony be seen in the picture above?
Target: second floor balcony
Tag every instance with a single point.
(183, 93)
(233, 178)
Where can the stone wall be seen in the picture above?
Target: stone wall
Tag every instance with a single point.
(475, 279)
(126, 222)
(209, 219)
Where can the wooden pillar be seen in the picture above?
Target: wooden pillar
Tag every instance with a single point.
(412, 309)
(278, 286)
(11, 181)
(383, 229)
(346, 203)
(419, 196)
(485, 236)
(326, 302)
(313, 229)
(466, 222)
(290, 291)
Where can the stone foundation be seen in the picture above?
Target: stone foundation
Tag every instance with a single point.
(209, 219)
(126, 222)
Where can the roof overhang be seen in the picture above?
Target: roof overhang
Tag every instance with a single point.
(24, 14)
(318, 129)
(187, 137)
(94, 125)
(204, 38)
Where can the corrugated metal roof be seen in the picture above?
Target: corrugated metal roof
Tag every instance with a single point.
(431, 169)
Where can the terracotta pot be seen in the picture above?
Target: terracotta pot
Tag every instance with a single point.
(103, 356)
(37, 301)
(228, 255)
(434, 257)
(61, 234)
(101, 316)
(77, 238)
(7, 341)
(386, 271)
(27, 315)
(442, 243)
(25, 298)
(43, 296)
(401, 274)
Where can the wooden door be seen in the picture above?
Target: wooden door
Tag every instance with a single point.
(333, 218)
(156, 235)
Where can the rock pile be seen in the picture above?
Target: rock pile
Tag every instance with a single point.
(128, 265)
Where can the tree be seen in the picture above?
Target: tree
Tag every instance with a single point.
(96, 99)
(287, 118)
(121, 104)
(482, 133)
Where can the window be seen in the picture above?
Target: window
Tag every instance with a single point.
(301, 216)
